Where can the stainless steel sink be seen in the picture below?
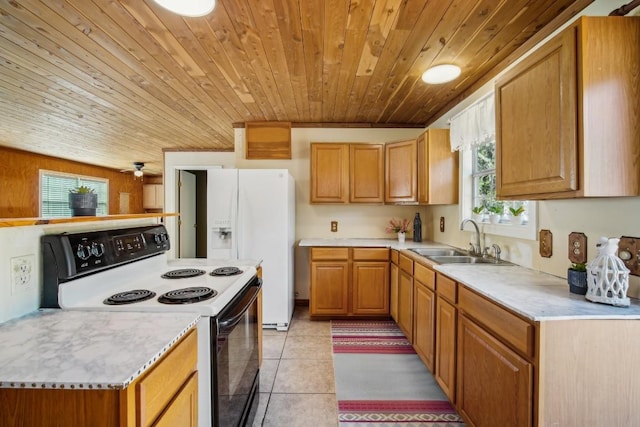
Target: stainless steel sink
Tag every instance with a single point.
(466, 259)
(429, 252)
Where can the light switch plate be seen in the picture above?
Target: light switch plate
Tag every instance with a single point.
(546, 243)
(577, 248)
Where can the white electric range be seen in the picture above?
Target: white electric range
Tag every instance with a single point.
(127, 270)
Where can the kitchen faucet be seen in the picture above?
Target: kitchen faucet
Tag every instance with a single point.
(477, 248)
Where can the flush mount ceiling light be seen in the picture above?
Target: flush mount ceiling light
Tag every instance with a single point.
(441, 74)
(191, 8)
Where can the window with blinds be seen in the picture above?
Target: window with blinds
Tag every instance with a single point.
(55, 188)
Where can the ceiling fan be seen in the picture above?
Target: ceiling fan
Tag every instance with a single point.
(137, 169)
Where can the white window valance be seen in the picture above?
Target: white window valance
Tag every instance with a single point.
(474, 126)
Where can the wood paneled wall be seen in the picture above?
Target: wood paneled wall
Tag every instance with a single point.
(20, 182)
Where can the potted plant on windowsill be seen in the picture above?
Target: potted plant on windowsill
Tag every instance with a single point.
(478, 213)
(517, 215)
(495, 212)
(577, 278)
(83, 201)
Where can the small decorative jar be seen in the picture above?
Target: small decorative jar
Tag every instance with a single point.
(401, 236)
(607, 276)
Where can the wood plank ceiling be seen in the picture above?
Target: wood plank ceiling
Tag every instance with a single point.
(112, 82)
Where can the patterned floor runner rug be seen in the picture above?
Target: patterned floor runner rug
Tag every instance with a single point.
(381, 382)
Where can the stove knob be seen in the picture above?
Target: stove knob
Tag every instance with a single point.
(97, 249)
(83, 252)
(157, 238)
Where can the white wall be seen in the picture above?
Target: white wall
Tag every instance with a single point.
(313, 221)
(25, 241)
(612, 217)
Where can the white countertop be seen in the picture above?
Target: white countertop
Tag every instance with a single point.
(85, 350)
(535, 295)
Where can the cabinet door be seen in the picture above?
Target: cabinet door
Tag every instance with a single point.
(152, 196)
(536, 130)
(183, 409)
(424, 307)
(329, 173)
(494, 384)
(445, 372)
(401, 175)
(393, 297)
(329, 293)
(371, 288)
(437, 169)
(405, 304)
(366, 173)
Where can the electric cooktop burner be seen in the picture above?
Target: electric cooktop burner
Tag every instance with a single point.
(129, 297)
(187, 295)
(226, 271)
(183, 273)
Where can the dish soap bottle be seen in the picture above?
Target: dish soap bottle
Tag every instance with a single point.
(417, 228)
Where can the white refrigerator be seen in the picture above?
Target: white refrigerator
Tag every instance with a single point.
(251, 215)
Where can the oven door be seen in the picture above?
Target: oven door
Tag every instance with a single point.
(236, 365)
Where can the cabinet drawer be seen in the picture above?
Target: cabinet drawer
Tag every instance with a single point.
(156, 389)
(406, 264)
(329, 254)
(517, 332)
(371, 254)
(394, 256)
(446, 288)
(424, 275)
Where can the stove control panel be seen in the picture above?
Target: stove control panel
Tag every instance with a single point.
(82, 253)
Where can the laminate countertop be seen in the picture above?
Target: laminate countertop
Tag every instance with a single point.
(534, 295)
(85, 350)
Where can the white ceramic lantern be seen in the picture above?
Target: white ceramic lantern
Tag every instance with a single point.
(607, 276)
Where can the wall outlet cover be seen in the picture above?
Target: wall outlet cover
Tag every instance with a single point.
(334, 226)
(578, 248)
(22, 273)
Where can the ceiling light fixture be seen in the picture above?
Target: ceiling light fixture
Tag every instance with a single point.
(138, 169)
(441, 74)
(192, 8)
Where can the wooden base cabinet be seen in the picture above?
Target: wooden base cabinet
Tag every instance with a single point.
(405, 297)
(445, 369)
(166, 393)
(393, 284)
(349, 282)
(495, 385)
(424, 308)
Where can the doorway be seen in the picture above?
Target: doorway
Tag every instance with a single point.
(192, 206)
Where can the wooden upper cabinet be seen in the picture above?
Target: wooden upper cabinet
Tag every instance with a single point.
(437, 169)
(347, 173)
(366, 173)
(268, 140)
(401, 175)
(579, 136)
(329, 173)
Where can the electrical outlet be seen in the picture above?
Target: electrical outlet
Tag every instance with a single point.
(442, 224)
(334, 226)
(577, 248)
(22, 273)
(546, 243)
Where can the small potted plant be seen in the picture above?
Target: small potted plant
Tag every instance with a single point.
(517, 215)
(577, 278)
(478, 213)
(83, 201)
(496, 210)
(399, 226)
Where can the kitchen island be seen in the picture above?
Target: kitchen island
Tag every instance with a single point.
(123, 368)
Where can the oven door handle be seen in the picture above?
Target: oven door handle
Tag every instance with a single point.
(238, 313)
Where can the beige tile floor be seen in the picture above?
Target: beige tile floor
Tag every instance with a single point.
(296, 377)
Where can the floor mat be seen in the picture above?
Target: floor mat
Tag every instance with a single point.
(381, 382)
